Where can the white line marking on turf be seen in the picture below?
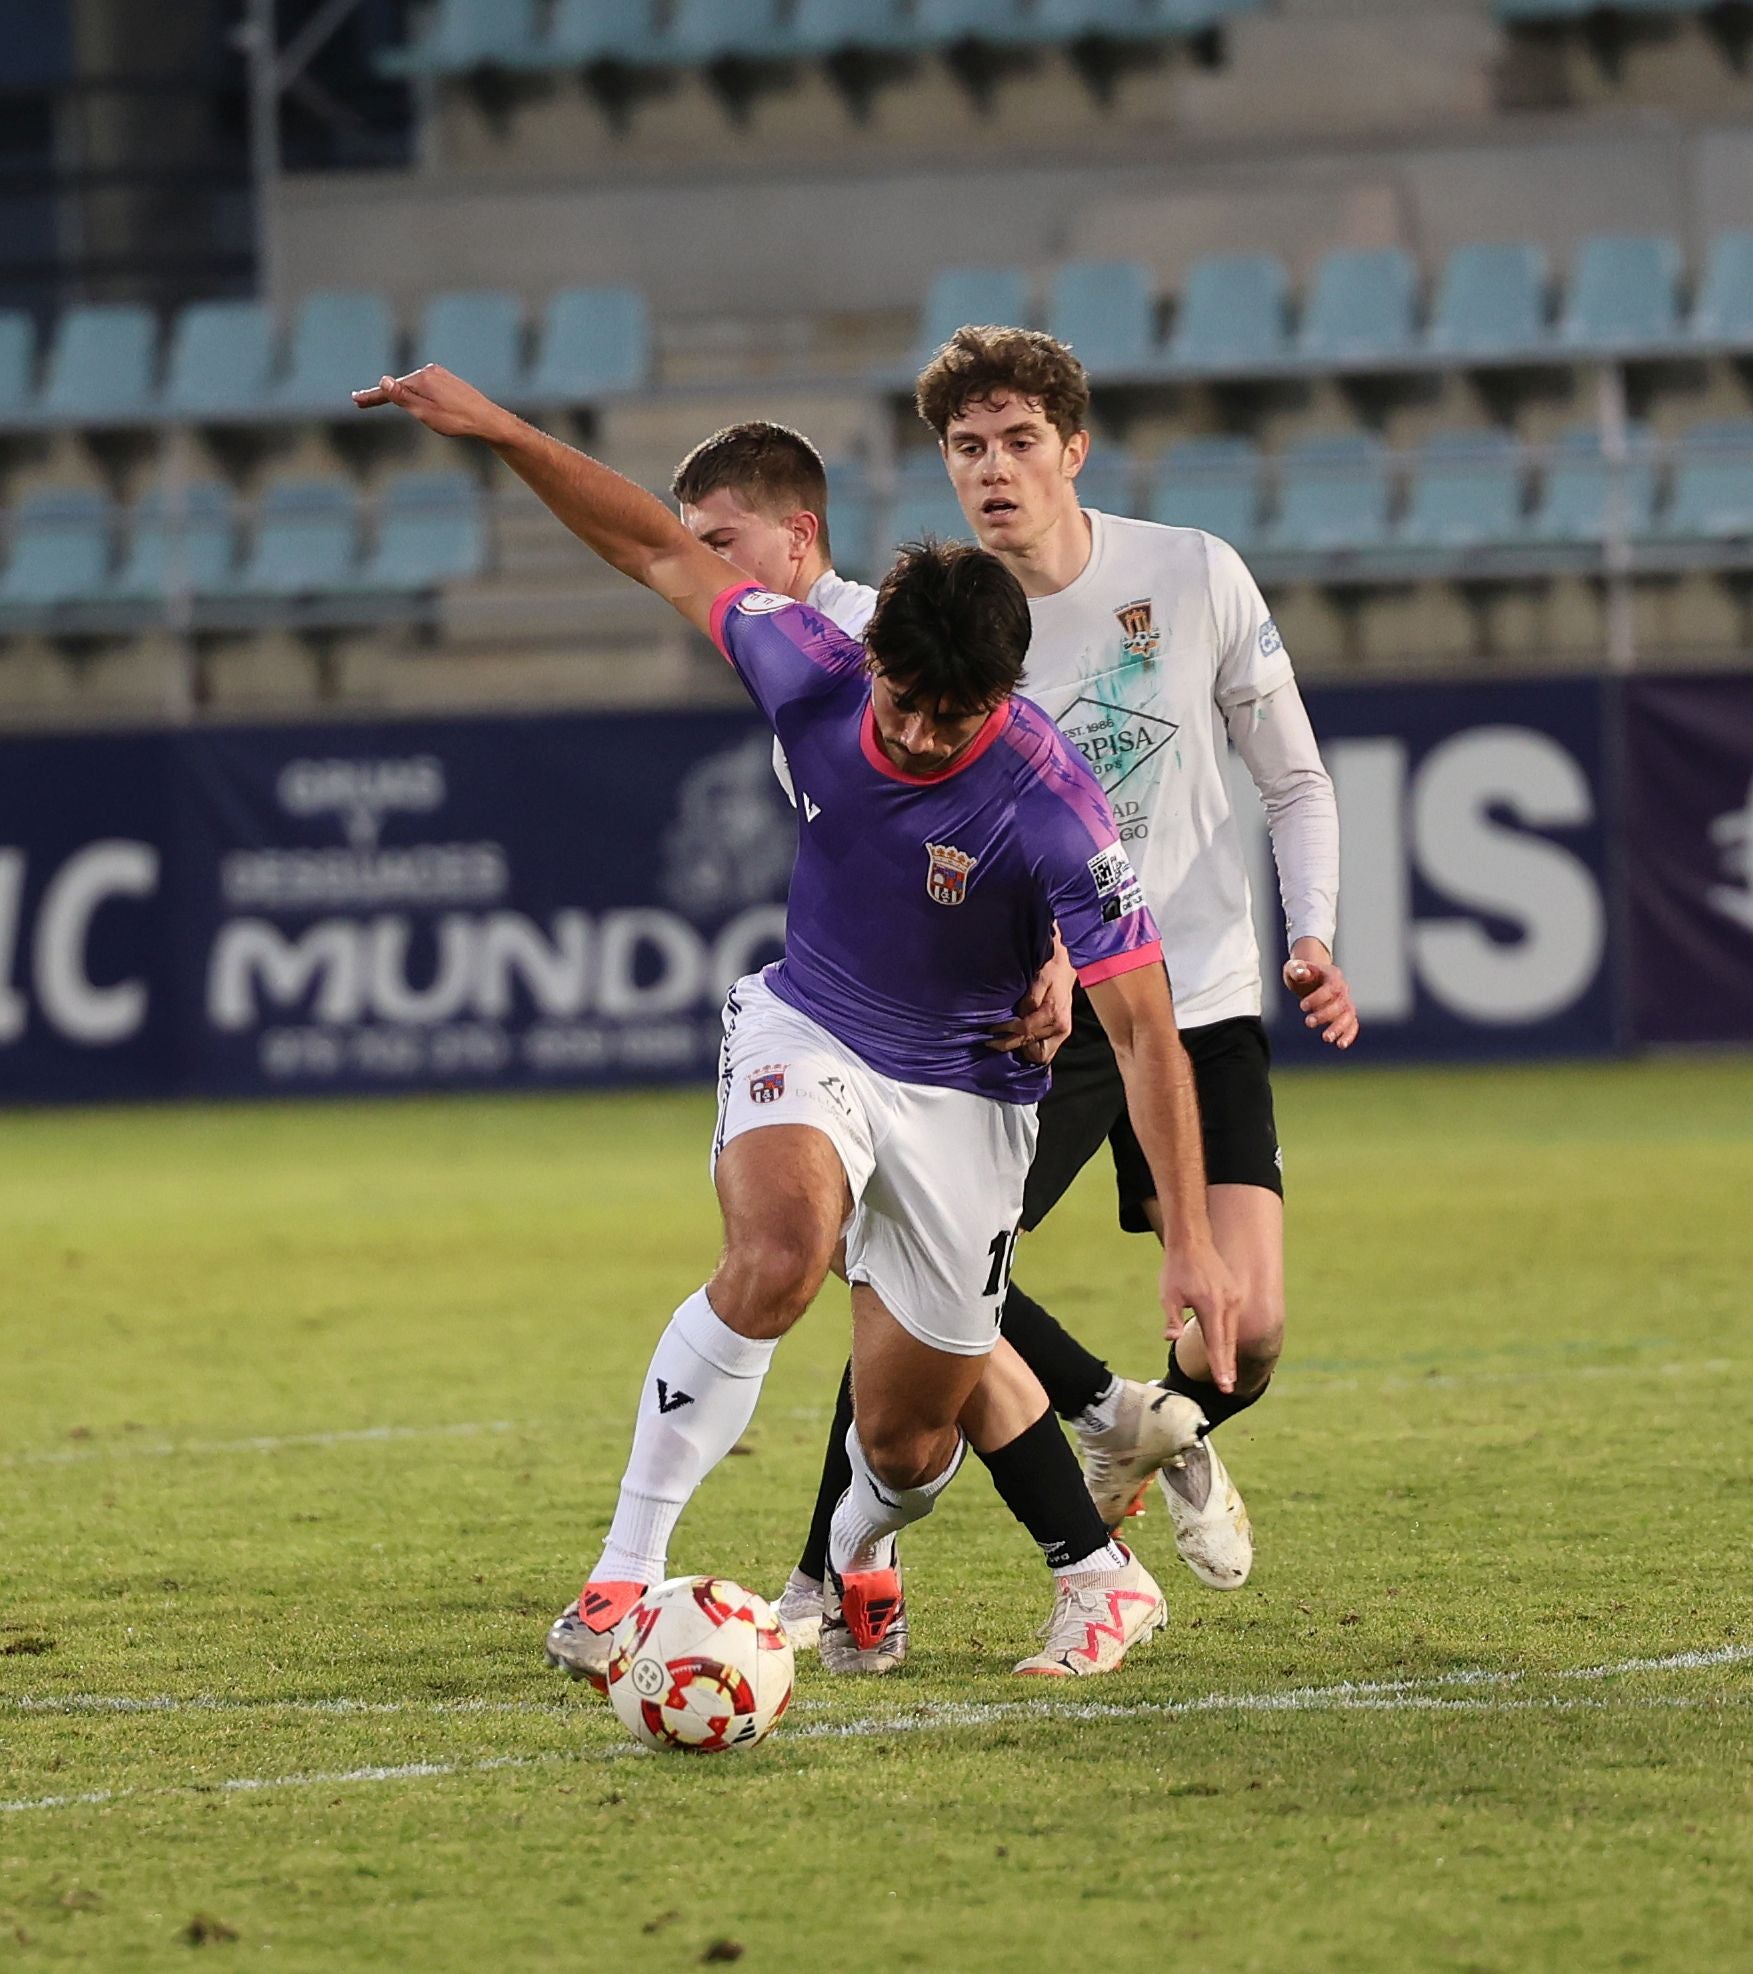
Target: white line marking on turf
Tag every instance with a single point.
(1345, 1696)
(63, 1456)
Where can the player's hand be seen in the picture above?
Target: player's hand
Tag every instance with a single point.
(1326, 1000)
(441, 401)
(1195, 1277)
(1043, 1015)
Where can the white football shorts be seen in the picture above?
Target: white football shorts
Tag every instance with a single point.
(936, 1175)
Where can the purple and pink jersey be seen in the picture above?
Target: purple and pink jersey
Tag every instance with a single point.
(921, 909)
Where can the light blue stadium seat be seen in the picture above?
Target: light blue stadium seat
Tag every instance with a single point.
(60, 551)
(584, 31)
(1126, 20)
(594, 341)
(1466, 492)
(1361, 306)
(432, 531)
(821, 27)
(306, 541)
(1109, 482)
(1333, 495)
(961, 295)
(1623, 292)
(701, 31)
(1579, 487)
(1232, 313)
(1712, 496)
(340, 343)
(1001, 21)
(101, 363)
(1546, 10)
(924, 504)
(462, 35)
(1212, 484)
(851, 523)
(221, 361)
(1491, 300)
(477, 334)
(1724, 310)
(1106, 310)
(184, 541)
(18, 345)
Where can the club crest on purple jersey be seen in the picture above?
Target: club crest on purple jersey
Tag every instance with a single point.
(767, 1085)
(946, 876)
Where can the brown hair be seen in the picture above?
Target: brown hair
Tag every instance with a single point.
(774, 470)
(952, 624)
(981, 363)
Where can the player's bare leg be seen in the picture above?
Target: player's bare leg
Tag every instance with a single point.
(783, 1194)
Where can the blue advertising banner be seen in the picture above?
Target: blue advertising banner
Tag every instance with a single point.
(1474, 901)
(1689, 858)
(556, 900)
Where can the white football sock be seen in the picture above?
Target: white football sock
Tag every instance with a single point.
(872, 1513)
(1109, 1557)
(697, 1400)
(1102, 1412)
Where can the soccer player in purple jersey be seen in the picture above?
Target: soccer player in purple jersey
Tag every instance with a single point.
(945, 827)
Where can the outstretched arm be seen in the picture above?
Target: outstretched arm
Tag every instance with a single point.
(629, 528)
(1136, 1009)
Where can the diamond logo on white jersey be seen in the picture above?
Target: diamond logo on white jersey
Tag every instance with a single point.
(1114, 740)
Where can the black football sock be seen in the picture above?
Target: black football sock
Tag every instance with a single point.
(836, 1479)
(1216, 1405)
(1038, 1480)
(1071, 1376)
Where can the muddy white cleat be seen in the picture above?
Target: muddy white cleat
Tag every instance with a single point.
(864, 1621)
(1098, 1618)
(1152, 1426)
(1212, 1530)
(579, 1638)
(799, 1609)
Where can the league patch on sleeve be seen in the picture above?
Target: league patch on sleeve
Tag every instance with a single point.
(762, 602)
(1111, 868)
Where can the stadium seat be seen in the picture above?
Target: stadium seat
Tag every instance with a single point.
(462, 35)
(1232, 314)
(701, 31)
(1124, 20)
(1106, 310)
(100, 365)
(479, 335)
(340, 342)
(176, 541)
(1110, 482)
(851, 522)
(1713, 484)
(1003, 21)
(961, 295)
(822, 27)
(1362, 305)
(1724, 310)
(585, 31)
(1622, 292)
(924, 504)
(17, 361)
(1212, 484)
(306, 541)
(432, 531)
(221, 361)
(1576, 498)
(1333, 495)
(60, 551)
(594, 341)
(1491, 301)
(1546, 10)
(1466, 491)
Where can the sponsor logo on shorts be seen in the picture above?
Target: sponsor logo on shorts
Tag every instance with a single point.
(946, 876)
(762, 602)
(767, 1085)
(834, 1089)
(1142, 639)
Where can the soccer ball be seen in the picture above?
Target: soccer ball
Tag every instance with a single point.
(699, 1662)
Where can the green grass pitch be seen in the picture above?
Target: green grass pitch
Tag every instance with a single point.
(312, 1416)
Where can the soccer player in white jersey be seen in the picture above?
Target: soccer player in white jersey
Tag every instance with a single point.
(945, 829)
(1154, 650)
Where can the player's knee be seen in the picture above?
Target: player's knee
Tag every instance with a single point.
(767, 1280)
(1259, 1340)
(904, 1455)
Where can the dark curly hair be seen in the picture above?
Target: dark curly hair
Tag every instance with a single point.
(979, 363)
(951, 625)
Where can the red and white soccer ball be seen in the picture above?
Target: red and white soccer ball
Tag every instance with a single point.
(699, 1662)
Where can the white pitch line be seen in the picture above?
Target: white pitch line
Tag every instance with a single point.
(1346, 1696)
(63, 1456)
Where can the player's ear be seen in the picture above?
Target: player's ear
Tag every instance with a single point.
(805, 530)
(1077, 450)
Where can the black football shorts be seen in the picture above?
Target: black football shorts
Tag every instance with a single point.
(1086, 1106)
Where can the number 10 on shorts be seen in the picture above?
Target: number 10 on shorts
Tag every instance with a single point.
(1003, 1253)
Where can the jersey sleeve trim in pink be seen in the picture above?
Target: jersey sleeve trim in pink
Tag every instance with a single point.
(721, 609)
(1099, 970)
